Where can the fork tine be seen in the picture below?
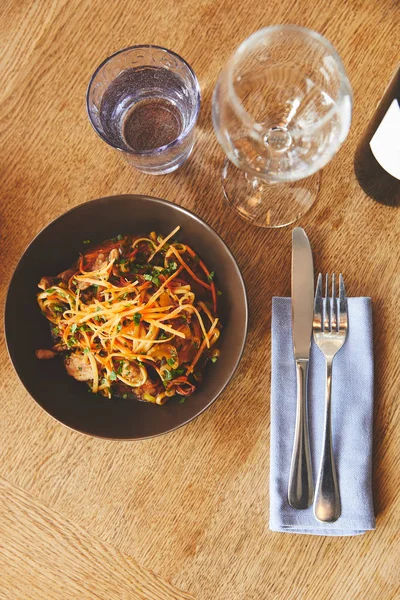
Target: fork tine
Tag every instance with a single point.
(318, 305)
(334, 307)
(327, 316)
(318, 322)
(342, 304)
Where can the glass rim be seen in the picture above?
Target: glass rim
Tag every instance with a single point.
(344, 88)
(182, 135)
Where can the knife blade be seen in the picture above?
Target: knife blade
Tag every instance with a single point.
(301, 487)
(302, 293)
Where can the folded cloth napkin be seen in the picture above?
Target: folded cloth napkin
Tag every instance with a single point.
(352, 416)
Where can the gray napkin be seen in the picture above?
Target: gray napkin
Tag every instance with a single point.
(352, 416)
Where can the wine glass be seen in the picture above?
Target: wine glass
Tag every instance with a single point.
(281, 110)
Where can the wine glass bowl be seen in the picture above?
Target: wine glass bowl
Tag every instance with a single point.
(281, 110)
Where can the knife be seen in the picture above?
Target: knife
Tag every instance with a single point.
(301, 487)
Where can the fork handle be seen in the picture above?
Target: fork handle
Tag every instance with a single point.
(301, 486)
(327, 500)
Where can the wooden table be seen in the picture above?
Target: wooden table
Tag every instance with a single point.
(186, 515)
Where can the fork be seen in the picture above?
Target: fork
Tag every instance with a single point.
(330, 327)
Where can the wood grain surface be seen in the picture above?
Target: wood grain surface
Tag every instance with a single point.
(85, 518)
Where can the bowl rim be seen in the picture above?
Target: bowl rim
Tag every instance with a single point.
(180, 209)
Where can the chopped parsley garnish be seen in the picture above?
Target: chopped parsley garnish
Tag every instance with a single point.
(56, 330)
(71, 342)
(121, 365)
(214, 359)
(136, 318)
(163, 336)
(181, 399)
(170, 361)
(211, 276)
(50, 291)
(119, 327)
(86, 351)
(173, 373)
(58, 308)
(117, 238)
(153, 278)
(113, 376)
(86, 241)
(219, 292)
(74, 327)
(172, 267)
(125, 396)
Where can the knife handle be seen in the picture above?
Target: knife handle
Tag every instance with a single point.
(301, 487)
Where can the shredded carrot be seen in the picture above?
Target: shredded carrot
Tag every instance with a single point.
(207, 272)
(189, 270)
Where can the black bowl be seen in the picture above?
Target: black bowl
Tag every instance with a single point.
(55, 249)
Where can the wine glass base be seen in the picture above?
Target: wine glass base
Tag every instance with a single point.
(265, 204)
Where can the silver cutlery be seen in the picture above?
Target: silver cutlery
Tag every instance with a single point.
(301, 487)
(330, 327)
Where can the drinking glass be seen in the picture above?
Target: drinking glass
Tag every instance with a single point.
(281, 110)
(144, 101)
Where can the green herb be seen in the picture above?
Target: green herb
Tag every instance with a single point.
(56, 330)
(83, 327)
(122, 261)
(179, 371)
(104, 381)
(167, 375)
(50, 291)
(98, 309)
(173, 373)
(163, 336)
(153, 278)
(172, 267)
(86, 351)
(86, 241)
(170, 361)
(136, 318)
(219, 292)
(58, 308)
(113, 376)
(139, 362)
(118, 238)
(125, 396)
(74, 327)
(79, 368)
(196, 345)
(211, 276)
(119, 327)
(120, 367)
(71, 342)
(181, 399)
(214, 359)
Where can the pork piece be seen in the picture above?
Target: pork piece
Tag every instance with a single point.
(78, 368)
(65, 276)
(43, 354)
(46, 282)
